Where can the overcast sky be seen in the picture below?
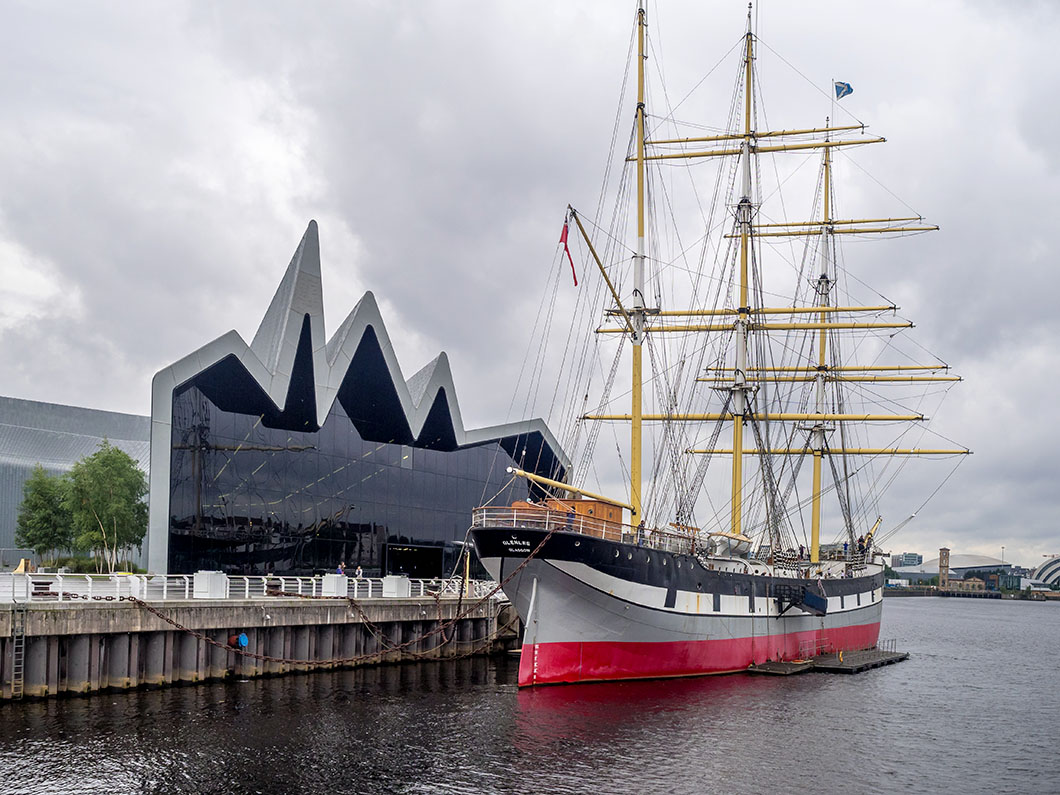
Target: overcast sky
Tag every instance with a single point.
(159, 163)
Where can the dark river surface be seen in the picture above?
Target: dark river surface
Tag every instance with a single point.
(976, 709)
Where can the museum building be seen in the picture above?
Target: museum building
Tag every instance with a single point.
(291, 454)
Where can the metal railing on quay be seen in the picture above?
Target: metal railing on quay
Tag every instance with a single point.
(547, 520)
(365, 588)
(65, 587)
(101, 588)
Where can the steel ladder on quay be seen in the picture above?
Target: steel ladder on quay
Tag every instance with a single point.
(18, 649)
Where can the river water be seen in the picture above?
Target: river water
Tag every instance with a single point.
(975, 709)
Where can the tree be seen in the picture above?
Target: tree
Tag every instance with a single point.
(44, 522)
(106, 499)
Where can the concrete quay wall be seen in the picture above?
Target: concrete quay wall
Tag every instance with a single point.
(82, 648)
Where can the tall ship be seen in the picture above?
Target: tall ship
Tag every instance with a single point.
(764, 357)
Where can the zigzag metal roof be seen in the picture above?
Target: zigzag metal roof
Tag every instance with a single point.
(292, 377)
(57, 436)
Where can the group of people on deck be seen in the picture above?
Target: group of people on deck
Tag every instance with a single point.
(864, 547)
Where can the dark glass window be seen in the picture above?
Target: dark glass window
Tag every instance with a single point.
(249, 499)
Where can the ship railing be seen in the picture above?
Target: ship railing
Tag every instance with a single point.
(547, 520)
(102, 588)
(670, 542)
(849, 555)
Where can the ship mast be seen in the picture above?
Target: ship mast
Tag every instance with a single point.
(744, 212)
(637, 310)
(817, 437)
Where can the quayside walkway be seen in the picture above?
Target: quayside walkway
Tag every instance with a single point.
(67, 634)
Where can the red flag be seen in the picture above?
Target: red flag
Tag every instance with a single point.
(563, 240)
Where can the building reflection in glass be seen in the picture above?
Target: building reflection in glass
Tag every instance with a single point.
(249, 499)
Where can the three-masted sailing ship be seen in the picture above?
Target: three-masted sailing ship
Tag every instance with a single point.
(609, 589)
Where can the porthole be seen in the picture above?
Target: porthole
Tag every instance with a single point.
(577, 543)
(616, 553)
(664, 561)
(649, 558)
(630, 556)
(678, 563)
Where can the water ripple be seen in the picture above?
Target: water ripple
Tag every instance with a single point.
(973, 710)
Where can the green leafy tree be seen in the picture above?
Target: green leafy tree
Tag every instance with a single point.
(44, 522)
(106, 499)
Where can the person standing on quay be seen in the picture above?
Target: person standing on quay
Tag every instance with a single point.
(342, 568)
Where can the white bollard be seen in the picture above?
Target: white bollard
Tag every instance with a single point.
(397, 585)
(210, 585)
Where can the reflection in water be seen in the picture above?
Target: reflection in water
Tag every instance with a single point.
(464, 727)
(581, 713)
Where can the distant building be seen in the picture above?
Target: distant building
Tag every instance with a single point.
(1049, 572)
(944, 568)
(906, 559)
(971, 584)
(56, 437)
(959, 566)
(1010, 582)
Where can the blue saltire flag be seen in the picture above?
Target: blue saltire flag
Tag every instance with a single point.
(842, 89)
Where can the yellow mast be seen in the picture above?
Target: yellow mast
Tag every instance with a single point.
(637, 311)
(560, 486)
(739, 388)
(817, 440)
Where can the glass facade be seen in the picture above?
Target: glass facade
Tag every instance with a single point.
(246, 498)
